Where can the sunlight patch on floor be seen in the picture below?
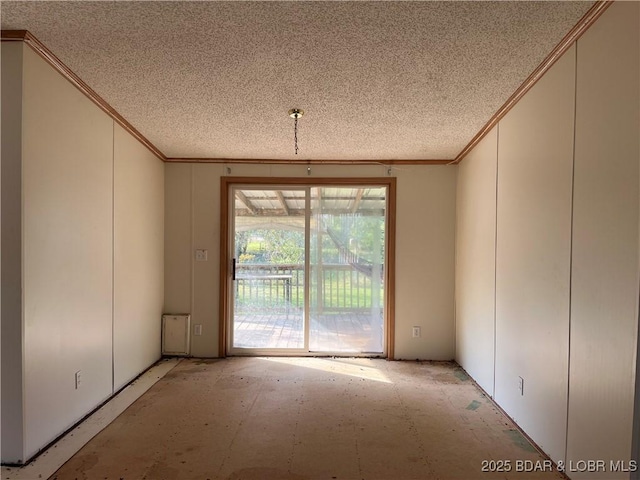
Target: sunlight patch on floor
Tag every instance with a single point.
(332, 366)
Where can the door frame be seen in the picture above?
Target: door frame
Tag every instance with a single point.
(226, 184)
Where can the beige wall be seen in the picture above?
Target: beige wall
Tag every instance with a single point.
(533, 245)
(74, 213)
(138, 257)
(11, 103)
(476, 261)
(604, 293)
(424, 244)
(566, 250)
(425, 258)
(177, 252)
(67, 252)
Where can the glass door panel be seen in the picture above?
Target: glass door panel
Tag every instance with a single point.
(269, 269)
(347, 256)
(308, 269)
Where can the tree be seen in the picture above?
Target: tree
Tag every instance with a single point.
(284, 246)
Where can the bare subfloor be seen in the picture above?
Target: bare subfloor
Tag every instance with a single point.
(307, 418)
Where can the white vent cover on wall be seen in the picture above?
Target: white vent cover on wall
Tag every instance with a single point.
(175, 334)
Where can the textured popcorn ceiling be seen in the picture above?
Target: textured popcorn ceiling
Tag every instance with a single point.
(377, 80)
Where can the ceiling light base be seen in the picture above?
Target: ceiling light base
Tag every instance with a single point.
(296, 112)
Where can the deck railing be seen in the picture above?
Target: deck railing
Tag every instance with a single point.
(340, 287)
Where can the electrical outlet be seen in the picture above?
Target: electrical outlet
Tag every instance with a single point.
(197, 329)
(416, 332)
(201, 255)
(78, 378)
(521, 386)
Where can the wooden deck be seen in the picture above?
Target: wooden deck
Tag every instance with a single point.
(346, 332)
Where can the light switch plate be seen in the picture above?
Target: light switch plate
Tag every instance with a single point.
(201, 255)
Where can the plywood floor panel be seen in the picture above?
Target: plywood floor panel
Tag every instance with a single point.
(303, 419)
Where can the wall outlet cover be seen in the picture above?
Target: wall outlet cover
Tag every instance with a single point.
(521, 385)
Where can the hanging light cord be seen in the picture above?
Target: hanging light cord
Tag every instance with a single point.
(295, 113)
(295, 133)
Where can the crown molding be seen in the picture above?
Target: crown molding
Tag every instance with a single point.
(279, 161)
(576, 32)
(14, 35)
(37, 46)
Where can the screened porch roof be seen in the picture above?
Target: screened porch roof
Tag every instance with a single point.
(291, 202)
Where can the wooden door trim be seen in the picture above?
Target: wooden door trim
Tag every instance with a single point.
(226, 183)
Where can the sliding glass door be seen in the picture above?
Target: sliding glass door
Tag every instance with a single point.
(269, 258)
(347, 269)
(307, 269)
